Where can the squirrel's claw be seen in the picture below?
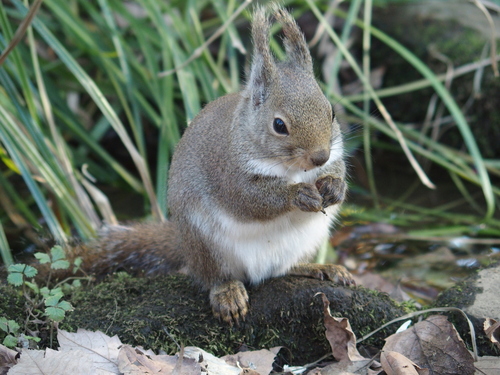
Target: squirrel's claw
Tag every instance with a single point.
(229, 302)
(332, 189)
(333, 272)
(307, 198)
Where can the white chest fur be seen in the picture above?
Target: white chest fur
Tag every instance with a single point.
(257, 251)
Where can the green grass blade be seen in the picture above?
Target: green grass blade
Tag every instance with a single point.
(37, 194)
(5, 249)
(99, 99)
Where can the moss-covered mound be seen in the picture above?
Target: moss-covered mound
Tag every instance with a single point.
(159, 313)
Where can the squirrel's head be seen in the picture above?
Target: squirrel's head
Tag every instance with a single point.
(289, 121)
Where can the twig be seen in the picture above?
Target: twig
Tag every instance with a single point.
(21, 30)
(198, 51)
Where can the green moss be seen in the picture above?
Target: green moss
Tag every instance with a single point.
(162, 312)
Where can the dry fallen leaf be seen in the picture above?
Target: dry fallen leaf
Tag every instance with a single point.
(345, 368)
(340, 335)
(8, 358)
(210, 364)
(492, 330)
(488, 365)
(39, 362)
(435, 344)
(261, 361)
(395, 363)
(101, 348)
(134, 361)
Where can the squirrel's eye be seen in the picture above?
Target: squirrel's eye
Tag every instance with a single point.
(279, 126)
(333, 112)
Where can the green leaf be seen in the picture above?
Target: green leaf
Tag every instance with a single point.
(77, 263)
(15, 279)
(18, 267)
(56, 292)
(65, 305)
(30, 271)
(9, 326)
(57, 253)
(60, 265)
(3, 324)
(76, 284)
(33, 286)
(10, 341)
(24, 269)
(52, 300)
(55, 313)
(45, 292)
(42, 257)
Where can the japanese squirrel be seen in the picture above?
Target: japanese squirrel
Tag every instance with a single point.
(255, 183)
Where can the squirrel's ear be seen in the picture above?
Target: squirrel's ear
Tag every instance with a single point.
(263, 65)
(295, 44)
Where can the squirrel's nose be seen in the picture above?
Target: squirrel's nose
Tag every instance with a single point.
(319, 158)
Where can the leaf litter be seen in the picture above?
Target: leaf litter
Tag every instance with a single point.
(432, 346)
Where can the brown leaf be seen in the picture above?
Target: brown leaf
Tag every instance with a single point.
(134, 361)
(340, 335)
(492, 330)
(210, 364)
(435, 344)
(261, 361)
(346, 368)
(395, 363)
(488, 365)
(8, 358)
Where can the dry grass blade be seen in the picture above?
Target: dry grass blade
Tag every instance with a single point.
(487, 14)
(21, 30)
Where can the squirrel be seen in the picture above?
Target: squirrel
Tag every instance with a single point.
(255, 184)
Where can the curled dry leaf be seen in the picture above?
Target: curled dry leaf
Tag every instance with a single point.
(395, 363)
(435, 344)
(8, 358)
(340, 335)
(492, 330)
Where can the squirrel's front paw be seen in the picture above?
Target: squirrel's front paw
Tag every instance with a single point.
(333, 272)
(308, 198)
(332, 189)
(229, 301)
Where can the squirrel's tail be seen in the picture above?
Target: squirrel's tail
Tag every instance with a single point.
(148, 249)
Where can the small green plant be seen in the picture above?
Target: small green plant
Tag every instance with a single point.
(12, 335)
(45, 304)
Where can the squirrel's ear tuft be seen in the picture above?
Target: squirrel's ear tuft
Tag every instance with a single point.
(295, 44)
(263, 65)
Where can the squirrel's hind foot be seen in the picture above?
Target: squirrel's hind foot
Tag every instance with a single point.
(229, 301)
(333, 272)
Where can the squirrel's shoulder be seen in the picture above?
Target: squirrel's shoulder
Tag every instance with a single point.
(220, 111)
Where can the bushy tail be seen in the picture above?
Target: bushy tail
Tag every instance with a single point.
(147, 249)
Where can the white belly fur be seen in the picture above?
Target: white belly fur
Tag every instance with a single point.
(259, 250)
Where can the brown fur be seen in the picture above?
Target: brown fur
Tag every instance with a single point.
(210, 175)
